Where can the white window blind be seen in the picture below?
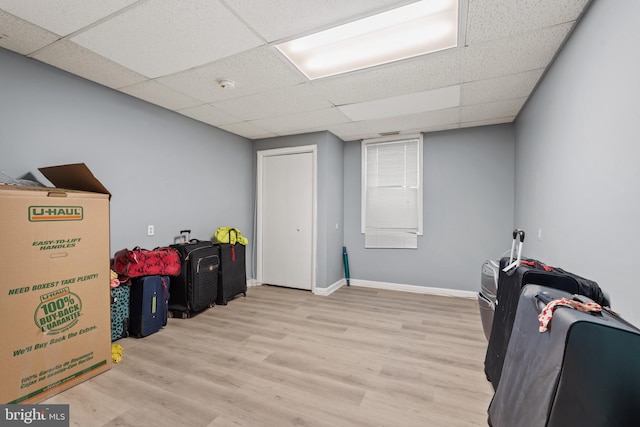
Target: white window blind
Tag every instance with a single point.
(392, 192)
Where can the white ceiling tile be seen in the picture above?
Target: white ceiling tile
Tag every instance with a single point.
(248, 130)
(22, 37)
(524, 52)
(275, 20)
(209, 114)
(254, 71)
(163, 96)
(492, 110)
(302, 121)
(488, 122)
(75, 59)
(302, 131)
(506, 87)
(347, 131)
(414, 123)
(421, 121)
(429, 100)
(63, 17)
(162, 37)
(494, 19)
(276, 102)
(435, 128)
(427, 72)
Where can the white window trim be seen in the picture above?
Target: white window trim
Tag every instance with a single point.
(363, 192)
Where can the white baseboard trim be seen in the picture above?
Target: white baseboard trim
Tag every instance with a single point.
(252, 282)
(388, 286)
(414, 288)
(331, 289)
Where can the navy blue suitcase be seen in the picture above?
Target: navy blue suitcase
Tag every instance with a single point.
(148, 305)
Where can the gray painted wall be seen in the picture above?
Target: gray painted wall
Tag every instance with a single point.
(468, 211)
(578, 157)
(162, 168)
(330, 199)
(334, 207)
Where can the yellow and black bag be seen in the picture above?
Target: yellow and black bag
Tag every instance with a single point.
(229, 235)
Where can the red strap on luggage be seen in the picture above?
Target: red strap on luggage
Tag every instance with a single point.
(164, 288)
(533, 264)
(233, 246)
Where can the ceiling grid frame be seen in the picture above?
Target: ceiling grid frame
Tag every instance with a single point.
(503, 52)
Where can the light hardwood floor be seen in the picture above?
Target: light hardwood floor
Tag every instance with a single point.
(285, 357)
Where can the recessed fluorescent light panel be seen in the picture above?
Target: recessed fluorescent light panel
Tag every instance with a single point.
(416, 29)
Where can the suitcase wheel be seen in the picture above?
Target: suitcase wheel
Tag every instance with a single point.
(170, 314)
(185, 315)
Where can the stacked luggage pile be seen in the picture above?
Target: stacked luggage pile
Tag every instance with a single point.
(557, 355)
(179, 280)
(140, 290)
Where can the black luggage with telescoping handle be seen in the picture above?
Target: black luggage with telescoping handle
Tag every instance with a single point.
(584, 370)
(233, 271)
(510, 282)
(487, 297)
(196, 288)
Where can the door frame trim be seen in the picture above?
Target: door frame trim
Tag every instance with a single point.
(313, 149)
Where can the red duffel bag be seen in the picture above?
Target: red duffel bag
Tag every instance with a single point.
(164, 261)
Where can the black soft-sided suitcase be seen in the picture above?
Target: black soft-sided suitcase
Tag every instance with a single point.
(148, 305)
(196, 288)
(509, 287)
(120, 296)
(583, 371)
(233, 272)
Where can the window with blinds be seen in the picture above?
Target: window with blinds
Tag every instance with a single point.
(392, 192)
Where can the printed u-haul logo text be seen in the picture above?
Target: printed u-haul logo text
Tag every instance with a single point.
(55, 213)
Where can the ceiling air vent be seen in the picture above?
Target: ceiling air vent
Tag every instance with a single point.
(395, 132)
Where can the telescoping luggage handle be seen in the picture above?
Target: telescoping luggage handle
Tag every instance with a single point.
(518, 235)
(185, 236)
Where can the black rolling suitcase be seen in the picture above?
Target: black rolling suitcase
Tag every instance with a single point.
(233, 271)
(487, 297)
(196, 288)
(583, 371)
(510, 283)
(148, 305)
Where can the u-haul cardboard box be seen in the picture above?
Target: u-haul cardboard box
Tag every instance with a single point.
(55, 317)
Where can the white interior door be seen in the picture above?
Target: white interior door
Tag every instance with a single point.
(286, 218)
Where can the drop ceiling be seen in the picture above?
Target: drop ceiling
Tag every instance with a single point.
(172, 53)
